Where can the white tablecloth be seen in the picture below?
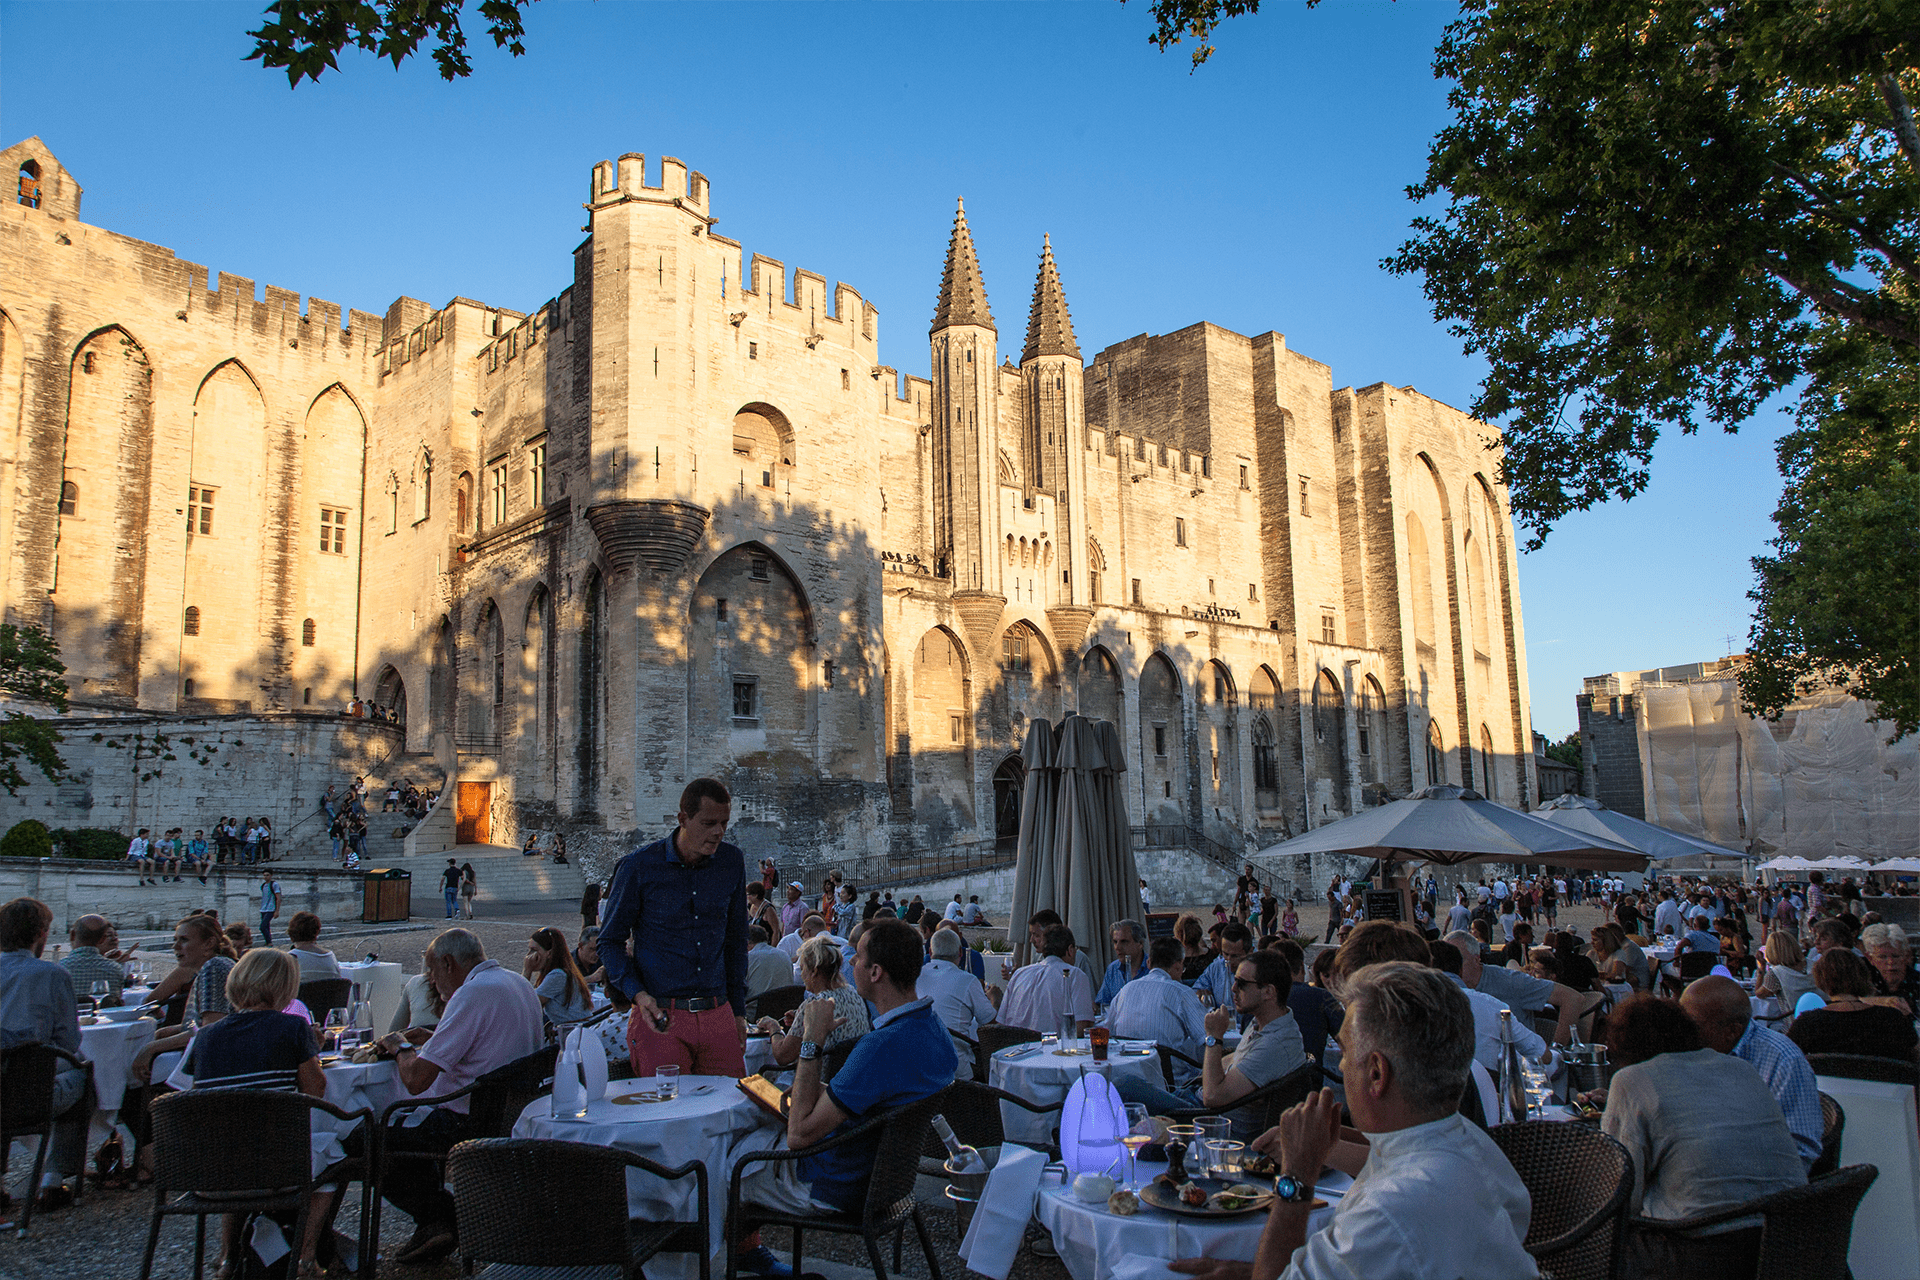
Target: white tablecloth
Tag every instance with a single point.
(351, 1086)
(712, 1126)
(1045, 1077)
(111, 1047)
(382, 984)
(1094, 1242)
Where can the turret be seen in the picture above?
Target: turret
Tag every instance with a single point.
(965, 416)
(1055, 421)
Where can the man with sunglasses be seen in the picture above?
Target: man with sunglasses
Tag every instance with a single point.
(1268, 1050)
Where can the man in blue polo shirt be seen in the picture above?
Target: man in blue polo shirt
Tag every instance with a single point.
(1130, 961)
(906, 1057)
(683, 901)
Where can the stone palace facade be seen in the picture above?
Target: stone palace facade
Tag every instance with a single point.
(682, 520)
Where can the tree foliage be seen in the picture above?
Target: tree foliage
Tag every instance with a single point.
(30, 670)
(305, 37)
(1178, 21)
(1566, 751)
(1838, 601)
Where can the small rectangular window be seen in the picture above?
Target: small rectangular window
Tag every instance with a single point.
(1179, 532)
(1163, 455)
(757, 569)
(1136, 591)
(753, 351)
(537, 475)
(1160, 740)
(1253, 591)
(1243, 477)
(1209, 586)
(499, 494)
(720, 609)
(333, 531)
(1206, 467)
(766, 479)
(846, 383)
(1305, 512)
(745, 703)
(1326, 628)
(200, 510)
(1093, 586)
(955, 728)
(69, 498)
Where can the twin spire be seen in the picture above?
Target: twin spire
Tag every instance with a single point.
(963, 297)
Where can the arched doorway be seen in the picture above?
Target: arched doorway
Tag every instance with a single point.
(1009, 782)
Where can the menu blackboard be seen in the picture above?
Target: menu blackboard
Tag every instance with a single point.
(1383, 904)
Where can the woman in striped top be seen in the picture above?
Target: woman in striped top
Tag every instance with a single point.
(256, 1046)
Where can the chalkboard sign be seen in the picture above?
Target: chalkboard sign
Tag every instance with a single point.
(1160, 924)
(1383, 904)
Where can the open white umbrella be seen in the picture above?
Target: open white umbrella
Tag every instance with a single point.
(1785, 862)
(1578, 813)
(1451, 825)
(1908, 866)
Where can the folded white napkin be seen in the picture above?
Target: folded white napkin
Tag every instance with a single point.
(1006, 1205)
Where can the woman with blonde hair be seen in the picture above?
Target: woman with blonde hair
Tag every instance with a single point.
(1785, 975)
(819, 962)
(256, 1046)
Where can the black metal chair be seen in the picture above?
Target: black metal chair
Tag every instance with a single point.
(496, 1100)
(1804, 1234)
(27, 1074)
(1268, 1101)
(244, 1151)
(775, 1001)
(1580, 1181)
(323, 994)
(898, 1135)
(1692, 966)
(1833, 1127)
(537, 1202)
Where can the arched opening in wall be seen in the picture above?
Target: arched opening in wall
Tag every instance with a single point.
(1028, 678)
(1096, 569)
(1489, 787)
(940, 730)
(1163, 743)
(29, 194)
(1420, 581)
(1265, 693)
(228, 498)
(1009, 781)
(190, 621)
(1475, 573)
(1371, 724)
(535, 694)
(1436, 757)
(1266, 764)
(463, 504)
(1098, 686)
(486, 684)
(390, 691)
(422, 484)
(591, 695)
(1329, 747)
(309, 633)
(762, 448)
(1223, 739)
(750, 667)
(69, 498)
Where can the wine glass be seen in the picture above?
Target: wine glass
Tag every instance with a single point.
(1139, 1134)
(99, 992)
(332, 1029)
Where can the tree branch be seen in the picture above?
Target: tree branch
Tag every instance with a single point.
(1832, 300)
(1902, 112)
(1897, 260)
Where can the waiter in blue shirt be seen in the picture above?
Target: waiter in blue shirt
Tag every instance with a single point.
(683, 902)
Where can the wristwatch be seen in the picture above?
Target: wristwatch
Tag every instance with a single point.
(809, 1051)
(1213, 1042)
(1292, 1190)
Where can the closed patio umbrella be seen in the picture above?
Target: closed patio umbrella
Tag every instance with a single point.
(1451, 825)
(1578, 813)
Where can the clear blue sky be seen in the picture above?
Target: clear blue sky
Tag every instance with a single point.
(1260, 193)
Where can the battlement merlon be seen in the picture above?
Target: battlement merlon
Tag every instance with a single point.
(619, 181)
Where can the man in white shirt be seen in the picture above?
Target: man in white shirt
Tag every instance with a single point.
(955, 911)
(767, 966)
(1500, 891)
(1157, 1006)
(1666, 916)
(1038, 994)
(1488, 1047)
(959, 998)
(1436, 1197)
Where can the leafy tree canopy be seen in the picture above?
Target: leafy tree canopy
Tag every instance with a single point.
(305, 37)
(31, 670)
(1566, 751)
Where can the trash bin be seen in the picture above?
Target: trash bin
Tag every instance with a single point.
(388, 895)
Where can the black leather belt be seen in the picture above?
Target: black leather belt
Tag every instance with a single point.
(698, 1004)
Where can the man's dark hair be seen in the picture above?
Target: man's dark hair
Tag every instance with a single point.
(1237, 932)
(1646, 1026)
(755, 889)
(20, 922)
(1269, 970)
(1044, 916)
(703, 789)
(1290, 951)
(757, 934)
(1445, 957)
(894, 945)
(1056, 940)
(1519, 926)
(1167, 953)
(304, 927)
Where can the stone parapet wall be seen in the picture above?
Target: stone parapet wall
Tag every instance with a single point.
(74, 887)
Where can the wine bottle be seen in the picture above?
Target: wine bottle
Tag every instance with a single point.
(961, 1158)
(1513, 1079)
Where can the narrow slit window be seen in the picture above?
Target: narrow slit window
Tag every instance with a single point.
(537, 475)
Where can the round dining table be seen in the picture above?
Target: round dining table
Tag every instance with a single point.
(111, 1047)
(711, 1120)
(1043, 1075)
(1097, 1244)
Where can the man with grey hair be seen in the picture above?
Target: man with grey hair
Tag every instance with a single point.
(492, 1018)
(1890, 954)
(959, 999)
(767, 966)
(1522, 992)
(1130, 961)
(1436, 1196)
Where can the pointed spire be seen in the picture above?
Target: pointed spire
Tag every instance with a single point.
(1049, 327)
(963, 294)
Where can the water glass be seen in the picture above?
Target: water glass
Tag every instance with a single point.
(666, 1082)
(1213, 1129)
(1224, 1158)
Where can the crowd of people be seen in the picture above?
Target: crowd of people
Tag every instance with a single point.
(894, 994)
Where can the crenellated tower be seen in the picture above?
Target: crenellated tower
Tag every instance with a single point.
(1054, 417)
(965, 413)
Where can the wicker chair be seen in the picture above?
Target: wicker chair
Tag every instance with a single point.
(1269, 1100)
(900, 1134)
(1692, 965)
(1804, 1234)
(27, 1074)
(243, 1151)
(1580, 1181)
(496, 1101)
(775, 1001)
(324, 994)
(535, 1202)
(993, 1038)
(973, 1109)
(1168, 1056)
(1833, 1128)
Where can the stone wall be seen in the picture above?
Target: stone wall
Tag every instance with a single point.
(74, 887)
(1610, 753)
